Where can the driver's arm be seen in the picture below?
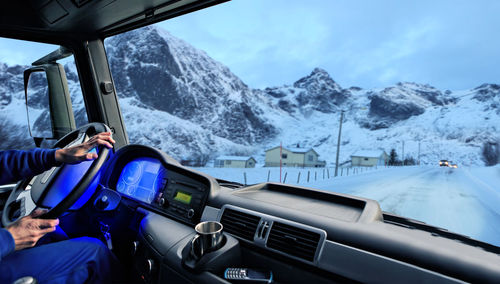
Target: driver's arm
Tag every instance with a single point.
(16, 165)
(25, 232)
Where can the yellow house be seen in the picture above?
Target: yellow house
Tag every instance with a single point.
(234, 162)
(369, 158)
(293, 157)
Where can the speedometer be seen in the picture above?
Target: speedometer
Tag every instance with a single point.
(132, 173)
(142, 179)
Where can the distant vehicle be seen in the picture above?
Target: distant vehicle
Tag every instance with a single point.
(444, 163)
(453, 166)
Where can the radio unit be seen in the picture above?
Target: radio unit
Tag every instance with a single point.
(184, 199)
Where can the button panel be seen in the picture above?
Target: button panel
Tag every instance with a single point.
(182, 197)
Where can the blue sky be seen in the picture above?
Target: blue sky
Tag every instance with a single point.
(448, 44)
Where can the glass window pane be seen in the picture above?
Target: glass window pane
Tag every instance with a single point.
(380, 94)
(15, 57)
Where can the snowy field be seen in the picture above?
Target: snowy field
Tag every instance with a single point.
(463, 200)
(288, 175)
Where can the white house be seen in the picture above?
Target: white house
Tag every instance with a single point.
(234, 162)
(366, 158)
(293, 157)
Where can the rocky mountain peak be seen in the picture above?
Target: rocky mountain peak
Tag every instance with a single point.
(423, 91)
(320, 71)
(487, 92)
(318, 80)
(402, 101)
(166, 74)
(318, 91)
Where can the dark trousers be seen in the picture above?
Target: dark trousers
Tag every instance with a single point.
(81, 260)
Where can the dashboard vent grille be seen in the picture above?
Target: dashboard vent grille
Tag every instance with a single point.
(294, 241)
(240, 224)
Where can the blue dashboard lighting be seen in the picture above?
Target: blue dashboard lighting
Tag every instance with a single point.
(69, 176)
(142, 179)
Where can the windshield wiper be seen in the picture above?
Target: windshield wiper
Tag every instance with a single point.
(438, 232)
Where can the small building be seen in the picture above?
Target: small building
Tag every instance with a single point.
(234, 162)
(293, 157)
(369, 158)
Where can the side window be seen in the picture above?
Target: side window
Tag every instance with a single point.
(75, 91)
(310, 158)
(15, 57)
(284, 156)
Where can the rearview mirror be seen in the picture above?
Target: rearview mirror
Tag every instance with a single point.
(37, 106)
(48, 103)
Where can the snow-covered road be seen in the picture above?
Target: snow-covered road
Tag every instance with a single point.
(466, 201)
(463, 200)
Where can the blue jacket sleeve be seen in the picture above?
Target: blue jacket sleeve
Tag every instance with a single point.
(7, 243)
(16, 165)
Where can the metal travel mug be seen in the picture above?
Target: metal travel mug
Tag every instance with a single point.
(208, 238)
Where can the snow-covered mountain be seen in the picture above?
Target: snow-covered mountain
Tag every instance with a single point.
(199, 108)
(13, 122)
(175, 97)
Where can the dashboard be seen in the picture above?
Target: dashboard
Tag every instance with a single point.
(159, 183)
(288, 229)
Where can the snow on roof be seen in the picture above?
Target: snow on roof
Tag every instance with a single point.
(299, 150)
(234, 158)
(368, 153)
(295, 150)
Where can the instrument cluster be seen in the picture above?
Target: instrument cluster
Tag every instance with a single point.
(149, 176)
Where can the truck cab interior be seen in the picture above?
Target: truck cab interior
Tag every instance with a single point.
(283, 233)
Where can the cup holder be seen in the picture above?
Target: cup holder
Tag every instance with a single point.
(208, 238)
(214, 253)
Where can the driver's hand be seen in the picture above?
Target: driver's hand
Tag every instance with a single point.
(28, 230)
(80, 153)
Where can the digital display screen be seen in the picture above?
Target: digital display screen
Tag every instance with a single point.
(142, 179)
(183, 197)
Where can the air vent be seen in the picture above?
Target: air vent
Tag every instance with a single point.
(294, 241)
(239, 224)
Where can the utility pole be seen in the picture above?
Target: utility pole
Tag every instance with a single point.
(281, 156)
(403, 156)
(419, 152)
(338, 143)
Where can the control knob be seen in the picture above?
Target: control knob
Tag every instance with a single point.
(163, 202)
(190, 213)
(134, 248)
(102, 202)
(149, 266)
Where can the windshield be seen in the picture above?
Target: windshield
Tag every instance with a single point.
(396, 101)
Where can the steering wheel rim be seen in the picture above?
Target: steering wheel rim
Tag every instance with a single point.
(51, 176)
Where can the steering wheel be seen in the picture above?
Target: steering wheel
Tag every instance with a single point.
(31, 193)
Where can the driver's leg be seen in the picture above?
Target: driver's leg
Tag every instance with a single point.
(52, 237)
(81, 260)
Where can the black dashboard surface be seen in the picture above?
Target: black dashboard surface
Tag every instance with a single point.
(154, 181)
(345, 209)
